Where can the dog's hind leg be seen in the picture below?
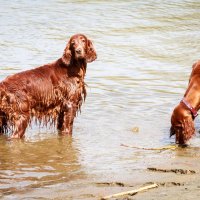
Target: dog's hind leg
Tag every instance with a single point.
(20, 126)
(3, 123)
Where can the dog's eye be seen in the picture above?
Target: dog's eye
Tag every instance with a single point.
(83, 40)
(73, 42)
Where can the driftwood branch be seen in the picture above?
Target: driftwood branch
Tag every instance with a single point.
(131, 192)
(157, 149)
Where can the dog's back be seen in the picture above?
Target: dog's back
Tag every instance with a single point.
(43, 92)
(53, 92)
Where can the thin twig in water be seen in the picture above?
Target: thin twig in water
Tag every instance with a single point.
(156, 149)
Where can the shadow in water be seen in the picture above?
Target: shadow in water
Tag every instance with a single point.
(27, 165)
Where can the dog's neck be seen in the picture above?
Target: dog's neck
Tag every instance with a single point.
(75, 68)
(192, 109)
(191, 95)
(78, 67)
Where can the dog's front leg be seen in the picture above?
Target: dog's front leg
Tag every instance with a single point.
(66, 120)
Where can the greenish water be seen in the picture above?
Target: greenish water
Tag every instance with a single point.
(145, 53)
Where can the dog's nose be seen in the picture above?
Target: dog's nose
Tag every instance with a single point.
(78, 51)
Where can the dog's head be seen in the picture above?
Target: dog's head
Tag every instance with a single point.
(182, 125)
(78, 48)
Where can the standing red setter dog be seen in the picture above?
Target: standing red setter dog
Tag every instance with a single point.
(50, 93)
(183, 116)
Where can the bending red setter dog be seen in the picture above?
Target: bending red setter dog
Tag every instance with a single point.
(183, 116)
(50, 93)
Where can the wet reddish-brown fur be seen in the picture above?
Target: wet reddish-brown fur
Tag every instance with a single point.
(182, 121)
(50, 93)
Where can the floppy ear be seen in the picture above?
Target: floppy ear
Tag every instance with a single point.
(172, 131)
(185, 132)
(66, 58)
(91, 53)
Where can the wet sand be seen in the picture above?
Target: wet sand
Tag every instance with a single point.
(171, 185)
(180, 180)
(177, 177)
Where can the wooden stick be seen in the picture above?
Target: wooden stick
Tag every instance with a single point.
(131, 192)
(158, 149)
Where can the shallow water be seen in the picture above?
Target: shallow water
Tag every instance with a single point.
(145, 53)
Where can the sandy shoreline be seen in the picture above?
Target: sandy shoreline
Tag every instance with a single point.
(177, 178)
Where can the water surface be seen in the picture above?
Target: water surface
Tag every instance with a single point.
(145, 53)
